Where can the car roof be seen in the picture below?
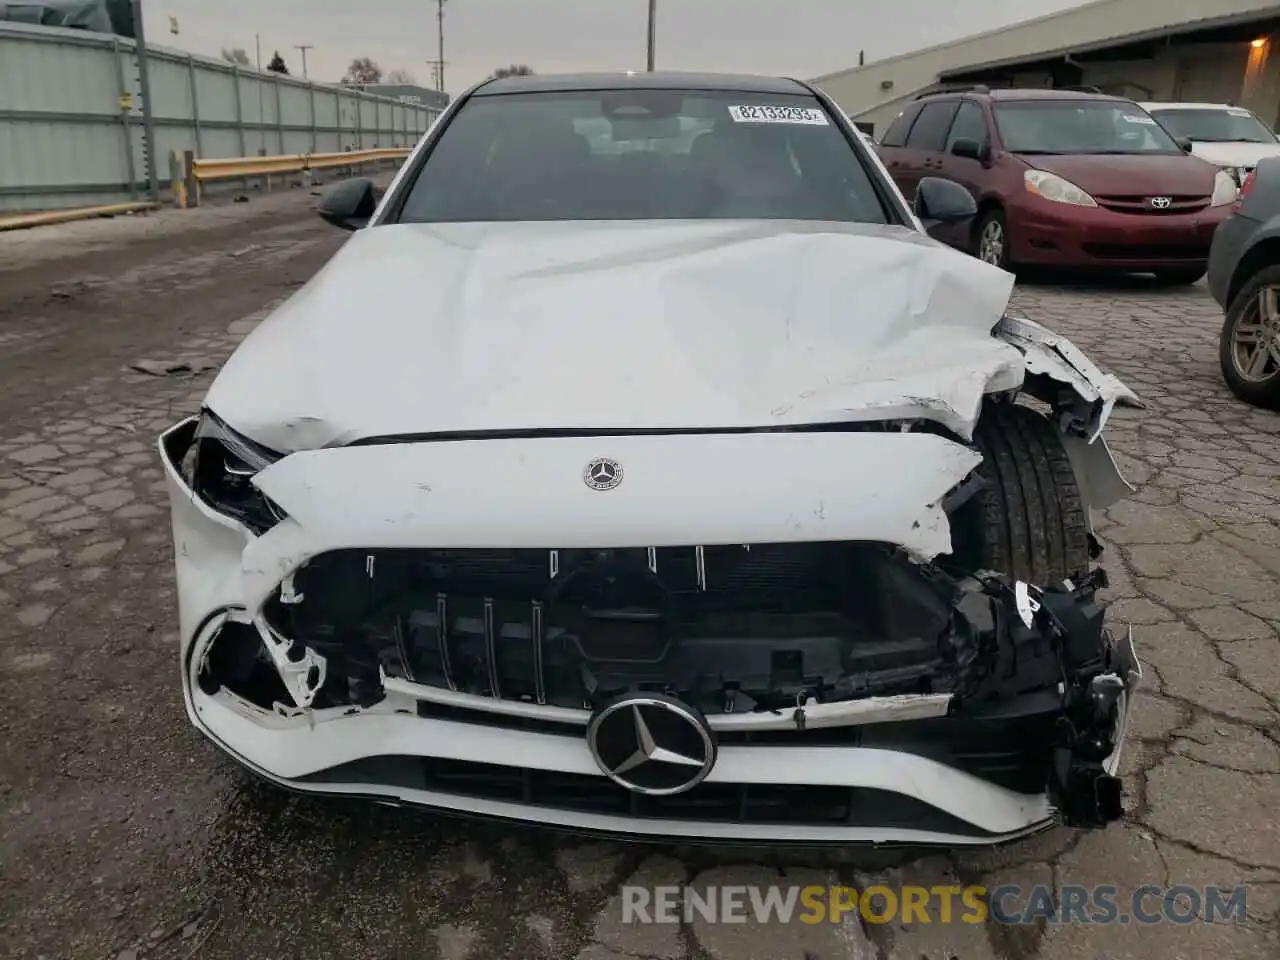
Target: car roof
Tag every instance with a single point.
(1187, 106)
(662, 80)
(1027, 93)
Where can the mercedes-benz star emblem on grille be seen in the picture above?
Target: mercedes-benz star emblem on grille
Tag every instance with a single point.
(1161, 203)
(602, 474)
(652, 744)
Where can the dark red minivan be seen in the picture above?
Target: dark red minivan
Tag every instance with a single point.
(1064, 179)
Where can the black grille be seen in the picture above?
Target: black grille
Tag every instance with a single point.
(1140, 204)
(1148, 251)
(758, 626)
(796, 805)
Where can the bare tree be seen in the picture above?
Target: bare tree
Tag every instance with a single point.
(236, 55)
(363, 70)
(277, 64)
(515, 70)
(400, 75)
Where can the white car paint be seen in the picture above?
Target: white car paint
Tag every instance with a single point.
(1241, 155)
(768, 488)
(719, 327)
(840, 713)
(1236, 156)
(621, 325)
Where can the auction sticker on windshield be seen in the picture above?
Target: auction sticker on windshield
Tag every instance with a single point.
(1134, 118)
(763, 113)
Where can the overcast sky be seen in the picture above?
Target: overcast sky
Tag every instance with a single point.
(744, 36)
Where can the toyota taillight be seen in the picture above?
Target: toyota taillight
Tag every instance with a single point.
(1244, 189)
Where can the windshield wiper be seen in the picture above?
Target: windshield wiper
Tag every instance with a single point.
(1038, 153)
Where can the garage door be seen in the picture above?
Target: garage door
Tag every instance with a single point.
(1212, 78)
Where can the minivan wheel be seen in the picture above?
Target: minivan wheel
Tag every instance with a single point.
(992, 239)
(1249, 347)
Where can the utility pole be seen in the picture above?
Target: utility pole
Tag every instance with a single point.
(440, 60)
(304, 47)
(653, 31)
(437, 68)
(148, 117)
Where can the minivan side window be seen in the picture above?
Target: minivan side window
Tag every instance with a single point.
(970, 124)
(896, 135)
(930, 129)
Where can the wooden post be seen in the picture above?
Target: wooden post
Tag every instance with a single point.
(177, 183)
(192, 191)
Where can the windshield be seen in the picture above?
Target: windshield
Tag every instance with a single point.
(1080, 126)
(641, 154)
(1228, 125)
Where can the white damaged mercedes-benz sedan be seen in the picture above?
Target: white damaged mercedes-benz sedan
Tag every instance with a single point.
(641, 466)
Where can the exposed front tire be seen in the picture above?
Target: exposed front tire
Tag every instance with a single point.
(991, 239)
(1180, 276)
(1029, 521)
(1249, 345)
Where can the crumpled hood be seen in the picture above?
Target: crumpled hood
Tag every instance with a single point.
(428, 328)
(1235, 154)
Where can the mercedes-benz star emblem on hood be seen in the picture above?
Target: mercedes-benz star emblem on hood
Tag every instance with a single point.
(652, 744)
(602, 474)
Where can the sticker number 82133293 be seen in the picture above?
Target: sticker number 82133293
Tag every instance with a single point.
(763, 113)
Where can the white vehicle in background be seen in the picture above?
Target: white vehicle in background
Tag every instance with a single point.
(1232, 138)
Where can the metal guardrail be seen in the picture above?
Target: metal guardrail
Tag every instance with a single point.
(234, 168)
(22, 221)
(189, 173)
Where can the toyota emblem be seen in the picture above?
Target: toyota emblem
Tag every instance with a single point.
(1161, 203)
(602, 474)
(652, 744)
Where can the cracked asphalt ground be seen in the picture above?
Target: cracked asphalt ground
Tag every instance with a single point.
(123, 834)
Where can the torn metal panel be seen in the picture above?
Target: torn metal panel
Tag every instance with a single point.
(1054, 356)
(1096, 470)
(1082, 410)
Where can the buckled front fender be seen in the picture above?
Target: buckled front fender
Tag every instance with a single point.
(1083, 398)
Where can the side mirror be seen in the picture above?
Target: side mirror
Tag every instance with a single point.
(1184, 144)
(971, 149)
(350, 203)
(941, 201)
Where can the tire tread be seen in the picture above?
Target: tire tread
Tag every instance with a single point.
(1030, 521)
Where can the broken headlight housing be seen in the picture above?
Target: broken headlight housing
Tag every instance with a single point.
(220, 468)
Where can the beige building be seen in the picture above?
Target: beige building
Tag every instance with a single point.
(1221, 51)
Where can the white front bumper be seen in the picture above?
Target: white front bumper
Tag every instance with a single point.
(224, 572)
(293, 752)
